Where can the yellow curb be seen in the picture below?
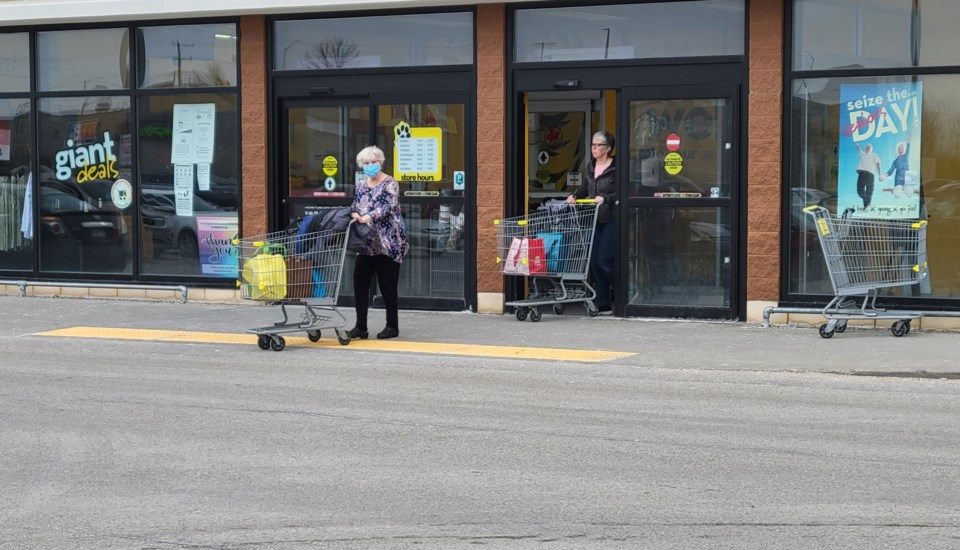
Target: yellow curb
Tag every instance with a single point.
(477, 350)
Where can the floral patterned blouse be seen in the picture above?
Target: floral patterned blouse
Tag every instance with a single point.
(381, 203)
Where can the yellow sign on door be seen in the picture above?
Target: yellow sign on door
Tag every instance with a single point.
(330, 165)
(673, 163)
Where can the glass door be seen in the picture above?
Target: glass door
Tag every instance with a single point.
(424, 143)
(679, 215)
(558, 142)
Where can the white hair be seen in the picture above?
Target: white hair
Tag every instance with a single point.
(370, 153)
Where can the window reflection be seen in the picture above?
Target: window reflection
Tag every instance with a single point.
(322, 146)
(679, 257)
(16, 194)
(14, 62)
(630, 31)
(814, 175)
(195, 56)
(870, 34)
(83, 60)
(355, 42)
(679, 148)
(84, 149)
(434, 267)
(173, 231)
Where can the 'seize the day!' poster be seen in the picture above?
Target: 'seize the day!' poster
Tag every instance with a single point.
(879, 164)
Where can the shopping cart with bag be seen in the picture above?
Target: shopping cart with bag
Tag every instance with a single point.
(551, 248)
(864, 256)
(292, 269)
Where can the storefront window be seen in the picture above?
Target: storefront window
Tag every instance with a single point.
(14, 62)
(385, 41)
(86, 212)
(630, 31)
(679, 256)
(189, 188)
(16, 180)
(193, 56)
(910, 170)
(83, 60)
(856, 34)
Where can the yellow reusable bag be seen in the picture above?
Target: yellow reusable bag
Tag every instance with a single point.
(265, 274)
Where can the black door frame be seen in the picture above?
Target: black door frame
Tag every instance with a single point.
(728, 72)
(395, 87)
(725, 91)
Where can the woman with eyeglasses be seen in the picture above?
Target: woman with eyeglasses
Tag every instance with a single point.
(600, 184)
(376, 203)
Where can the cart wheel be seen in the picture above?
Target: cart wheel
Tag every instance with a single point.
(559, 308)
(824, 332)
(906, 325)
(313, 335)
(521, 314)
(534, 314)
(278, 343)
(841, 326)
(342, 338)
(592, 310)
(263, 341)
(899, 328)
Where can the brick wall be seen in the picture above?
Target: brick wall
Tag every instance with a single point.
(491, 131)
(763, 149)
(253, 123)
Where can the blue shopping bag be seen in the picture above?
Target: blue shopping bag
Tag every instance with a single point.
(553, 246)
(319, 287)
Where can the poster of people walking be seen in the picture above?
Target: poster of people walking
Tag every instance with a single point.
(879, 152)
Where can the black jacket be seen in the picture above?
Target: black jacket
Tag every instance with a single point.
(603, 186)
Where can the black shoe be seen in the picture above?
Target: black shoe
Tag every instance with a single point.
(358, 333)
(388, 332)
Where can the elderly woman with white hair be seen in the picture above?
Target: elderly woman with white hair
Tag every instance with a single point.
(376, 203)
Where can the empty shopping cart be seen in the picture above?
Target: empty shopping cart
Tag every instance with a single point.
(864, 256)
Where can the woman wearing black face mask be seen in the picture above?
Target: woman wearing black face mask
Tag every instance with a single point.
(600, 184)
(376, 203)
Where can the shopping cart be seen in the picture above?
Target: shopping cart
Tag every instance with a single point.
(864, 256)
(550, 247)
(294, 270)
(446, 233)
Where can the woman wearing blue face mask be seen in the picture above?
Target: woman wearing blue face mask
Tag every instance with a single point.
(376, 203)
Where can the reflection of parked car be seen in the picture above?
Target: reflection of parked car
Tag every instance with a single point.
(223, 192)
(77, 233)
(68, 213)
(169, 230)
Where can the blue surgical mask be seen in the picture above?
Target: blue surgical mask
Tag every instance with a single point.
(371, 170)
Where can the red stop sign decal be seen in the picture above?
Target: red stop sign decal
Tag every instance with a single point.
(673, 142)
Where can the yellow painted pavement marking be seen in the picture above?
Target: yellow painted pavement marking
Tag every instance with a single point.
(523, 352)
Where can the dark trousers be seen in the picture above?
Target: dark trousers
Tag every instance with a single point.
(388, 278)
(865, 186)
(601, 261)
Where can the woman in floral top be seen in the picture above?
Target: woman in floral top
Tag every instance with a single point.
(376, 204)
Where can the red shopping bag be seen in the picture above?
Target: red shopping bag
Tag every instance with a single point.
(536, 256)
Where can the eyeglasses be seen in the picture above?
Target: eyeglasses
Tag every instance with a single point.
(595, 145)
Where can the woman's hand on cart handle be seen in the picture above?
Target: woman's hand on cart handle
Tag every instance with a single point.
(365, 219)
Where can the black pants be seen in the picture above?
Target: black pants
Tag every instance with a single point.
(865, 186)
(388, 278)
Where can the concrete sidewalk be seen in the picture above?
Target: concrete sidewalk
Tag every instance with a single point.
(658, 343)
